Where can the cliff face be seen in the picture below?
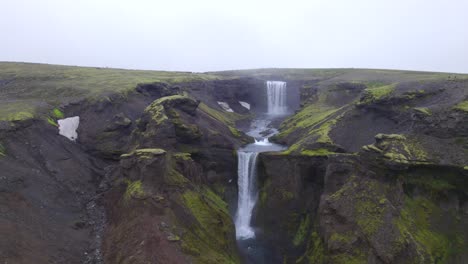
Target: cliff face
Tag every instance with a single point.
(351, 194)
(375, 172)
(152, 177)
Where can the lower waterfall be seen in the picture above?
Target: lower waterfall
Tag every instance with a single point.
(247, 194)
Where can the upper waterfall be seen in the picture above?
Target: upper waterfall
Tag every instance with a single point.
(277, 98)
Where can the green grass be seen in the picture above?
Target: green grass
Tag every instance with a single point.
(344, 74)
(17, 111)
(377, 93)
(29, 86)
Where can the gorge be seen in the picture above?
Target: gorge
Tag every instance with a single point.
(105, 165)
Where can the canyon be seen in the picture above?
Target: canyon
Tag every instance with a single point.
(272, 166)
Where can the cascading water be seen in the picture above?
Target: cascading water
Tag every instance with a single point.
(247, 157)
(247, 194)
(276, 94)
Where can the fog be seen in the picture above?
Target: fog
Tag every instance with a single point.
(209, 35)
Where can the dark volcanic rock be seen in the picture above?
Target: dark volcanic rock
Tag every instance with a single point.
(157, 89)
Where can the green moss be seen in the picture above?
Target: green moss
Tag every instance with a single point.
(369, 216)
(431, 184)
(57, 113)
(400, 149)
(344, 189)
(316, 152)
(20, 116)
(145, 153)
(310, 116)
(157, 114)
(463, 106)
(372, 148)
(54, 116)
(415, 150)
(226, 118)
(317, 134)
(350, 258)
(134, 190)
(201, 204)
(377, 93)
(285, 195)
(302, 231)
(397, 157)
(52, 122)
(434, 183)
(390, 136)
(190, 249)
(188, 132)
(345, 238)
(208, 239)
(235, 132)
(415, 225)
(423, 110)
(369, 203)
(183, 156)
(315, 251)
(264, 191)
(175, 178)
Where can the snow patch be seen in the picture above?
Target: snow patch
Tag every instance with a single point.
(245, 104)
(225, 107)
(68, 127)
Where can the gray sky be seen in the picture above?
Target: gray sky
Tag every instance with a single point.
(205, 35)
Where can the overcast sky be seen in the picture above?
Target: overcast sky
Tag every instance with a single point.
(207, 35)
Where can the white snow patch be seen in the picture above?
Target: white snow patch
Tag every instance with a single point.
(68, 127)
(226, 107)
(245, 104)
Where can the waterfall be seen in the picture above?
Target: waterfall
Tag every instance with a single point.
(247, 194)
(247, 158)
(276, 94)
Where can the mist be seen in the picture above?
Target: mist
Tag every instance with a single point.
(210, 35)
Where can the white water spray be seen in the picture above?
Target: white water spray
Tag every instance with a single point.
(262, 142)
(277, 98)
